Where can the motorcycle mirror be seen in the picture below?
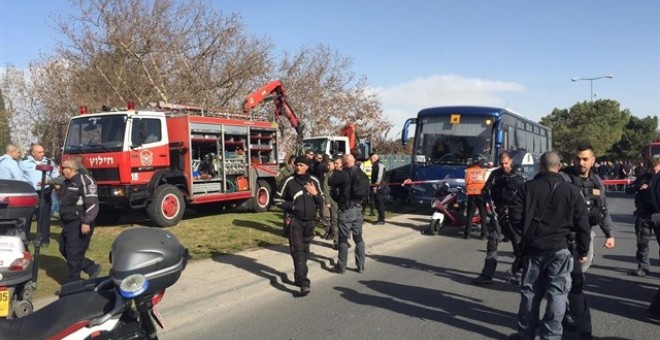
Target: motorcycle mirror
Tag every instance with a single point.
(44, 167)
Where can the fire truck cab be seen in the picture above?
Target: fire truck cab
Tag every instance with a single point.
(161, 159)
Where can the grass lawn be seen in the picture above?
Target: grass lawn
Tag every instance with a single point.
(205, 235)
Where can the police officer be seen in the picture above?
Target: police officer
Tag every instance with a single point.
(29, 168)
(78, 209)
(367, 168)
(589, 183)
(475, 179)
(350, 218)
(644, 225)
(545, 211)
(302, 197)
(653, 193)
(501, 186)
(330, 208)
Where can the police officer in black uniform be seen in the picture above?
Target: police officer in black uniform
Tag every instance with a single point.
(501, 186)
(644, 210)
(302, 197)
(79, 206)
(653, 193)
(591, 186)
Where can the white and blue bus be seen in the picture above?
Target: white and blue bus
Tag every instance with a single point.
(447, 138)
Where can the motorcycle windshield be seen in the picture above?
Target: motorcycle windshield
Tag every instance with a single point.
(95, 134)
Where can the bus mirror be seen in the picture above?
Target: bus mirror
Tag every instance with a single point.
(404, 132)
(499, 138)
(404, 136)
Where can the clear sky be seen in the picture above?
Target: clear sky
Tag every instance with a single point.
(519, 54)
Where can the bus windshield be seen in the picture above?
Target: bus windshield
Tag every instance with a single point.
(444, 142)
(95, 134)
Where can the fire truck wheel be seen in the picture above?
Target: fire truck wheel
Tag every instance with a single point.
(262, 198)
(167, 206)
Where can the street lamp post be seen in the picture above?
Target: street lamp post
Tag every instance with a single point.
(591, 80)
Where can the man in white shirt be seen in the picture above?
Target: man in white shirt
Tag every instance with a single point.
(9, 164)
(34, 176)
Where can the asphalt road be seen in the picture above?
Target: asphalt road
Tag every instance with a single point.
(420, 288)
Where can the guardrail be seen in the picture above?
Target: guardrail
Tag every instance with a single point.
(617, 184)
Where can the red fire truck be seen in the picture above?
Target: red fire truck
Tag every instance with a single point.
(168, 156)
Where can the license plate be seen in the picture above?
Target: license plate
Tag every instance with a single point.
(4, 303)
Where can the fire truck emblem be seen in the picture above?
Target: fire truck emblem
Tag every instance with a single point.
(146, 157)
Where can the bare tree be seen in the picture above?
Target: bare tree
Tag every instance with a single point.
(116, 51)
(158, 50)
(327, 95)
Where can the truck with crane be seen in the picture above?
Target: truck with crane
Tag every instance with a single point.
(165, 157)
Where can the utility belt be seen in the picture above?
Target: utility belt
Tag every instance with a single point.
(70, 214)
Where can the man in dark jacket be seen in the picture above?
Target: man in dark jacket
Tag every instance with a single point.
(501, 187)
(350, 218)
(302, 197)
(79, 207)
(644, 223)
(653, 193)
(582, 175)
(545, 212)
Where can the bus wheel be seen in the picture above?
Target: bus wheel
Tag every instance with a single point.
(166, 208)
(262, 197)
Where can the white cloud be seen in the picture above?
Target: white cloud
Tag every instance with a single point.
(403, 101)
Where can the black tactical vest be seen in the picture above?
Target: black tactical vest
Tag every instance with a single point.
(593, 196)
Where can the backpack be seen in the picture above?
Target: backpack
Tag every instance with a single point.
(359, 185)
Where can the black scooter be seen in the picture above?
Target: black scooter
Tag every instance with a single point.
(18, 276)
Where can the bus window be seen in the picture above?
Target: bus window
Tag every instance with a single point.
(446, 143)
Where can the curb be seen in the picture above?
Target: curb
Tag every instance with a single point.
(227, 279)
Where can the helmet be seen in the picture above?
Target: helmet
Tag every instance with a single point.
(478, 160)
(442, 190)
(518, 170)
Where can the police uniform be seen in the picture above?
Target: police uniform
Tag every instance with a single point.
(350, 219)
(593, 192)
(79, 204)
(34, 176)
(501, 187)
(300, 209)
(653, 193)
(645, 225)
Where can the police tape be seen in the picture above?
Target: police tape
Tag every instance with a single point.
(407, 182)
(617, 181)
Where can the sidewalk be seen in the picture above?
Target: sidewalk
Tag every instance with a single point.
(205, 284)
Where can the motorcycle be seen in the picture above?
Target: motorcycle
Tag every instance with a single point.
(449, 208)
(123, 305)
(18, 267)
